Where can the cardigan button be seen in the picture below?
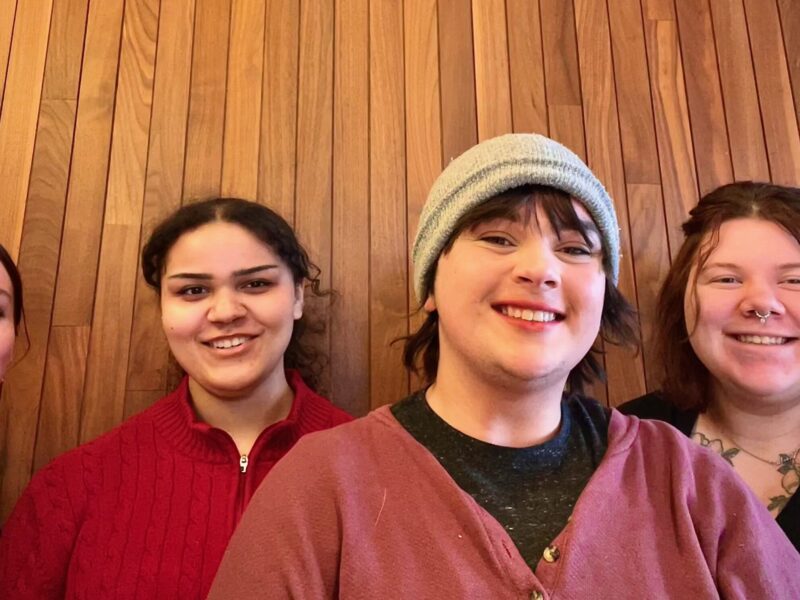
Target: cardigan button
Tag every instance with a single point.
(551, 554)
(537, 595)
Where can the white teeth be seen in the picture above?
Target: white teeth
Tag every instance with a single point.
(762, 340)
(526, 314)
(229, 342)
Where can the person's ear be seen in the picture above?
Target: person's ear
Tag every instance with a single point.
(430, 303)
(299, 296)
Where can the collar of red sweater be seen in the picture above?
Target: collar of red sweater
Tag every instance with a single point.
(174, 417)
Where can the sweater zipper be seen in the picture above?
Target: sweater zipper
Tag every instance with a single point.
(240, 492)
(243, 463)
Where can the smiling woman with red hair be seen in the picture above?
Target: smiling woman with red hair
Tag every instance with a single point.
(729, 338)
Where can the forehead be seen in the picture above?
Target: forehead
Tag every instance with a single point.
(218, 245)
(753, 241)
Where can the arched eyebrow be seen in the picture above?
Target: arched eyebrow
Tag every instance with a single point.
(238, 273)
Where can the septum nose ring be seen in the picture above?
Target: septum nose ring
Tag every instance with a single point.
(763, 318)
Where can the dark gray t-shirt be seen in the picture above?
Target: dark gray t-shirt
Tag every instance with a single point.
(530, 491)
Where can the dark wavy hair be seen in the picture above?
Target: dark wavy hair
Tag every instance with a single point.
(687, 382)
(16, 285)
(267, 226)
(618, 325)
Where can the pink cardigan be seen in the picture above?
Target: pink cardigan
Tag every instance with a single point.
(364, 511)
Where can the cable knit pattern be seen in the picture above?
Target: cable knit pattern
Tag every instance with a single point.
(146, 510)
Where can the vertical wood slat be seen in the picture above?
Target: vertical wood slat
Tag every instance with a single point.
(526, 66)
(59, 424)
(604, 154)
(492, 85)
(163, 186)
(790, 25)
(8, 11)
(205, 125)
(671, 114)
(709, 131)
(387, 198)
(243, 101)
(19, 114)
(83, 221)
(565, 115)
(277, 164)
(425, 143)
(350, 225)
(774, 91)
(104, 391)
(648, 230)
(456, 76)
(748, 153)
(315, 152)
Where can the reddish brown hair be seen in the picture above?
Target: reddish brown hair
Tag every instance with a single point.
(687, 382)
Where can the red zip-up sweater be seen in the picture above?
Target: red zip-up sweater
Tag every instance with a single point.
(146, 510)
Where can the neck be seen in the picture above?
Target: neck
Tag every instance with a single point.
(246, 415)
(498, 412)
(754, 423)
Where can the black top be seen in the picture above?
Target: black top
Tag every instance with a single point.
(530, 491)
(654, 406)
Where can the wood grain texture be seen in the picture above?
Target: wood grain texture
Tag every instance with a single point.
(19, 115)
(492, 84)
(277, 159)
(340, 114)
(62, 393)
(790, 26)
(748, 154)
(673, 131)
(203, 170)
(243, 100)
(350, 227)
(387, 205)
(315, 154)
(456, 74)
(709, 132)
(604, 156)
(8, 11)
(86, 196)
(526, 66)
(774, 91)
(109, 346)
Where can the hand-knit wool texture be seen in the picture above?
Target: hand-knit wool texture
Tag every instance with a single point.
(496, 166)
(146, 510)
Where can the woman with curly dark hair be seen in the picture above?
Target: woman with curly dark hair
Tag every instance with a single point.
(729, 339)
(147, 509)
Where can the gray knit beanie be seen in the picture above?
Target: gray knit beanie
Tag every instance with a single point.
(496, 166)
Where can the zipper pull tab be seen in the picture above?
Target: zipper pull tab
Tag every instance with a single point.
(243, 463)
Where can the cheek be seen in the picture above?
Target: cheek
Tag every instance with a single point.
(7, 340)
(180, 321)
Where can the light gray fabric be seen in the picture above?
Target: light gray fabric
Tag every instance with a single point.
(496, 166)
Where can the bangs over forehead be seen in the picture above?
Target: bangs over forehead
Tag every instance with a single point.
(520, 205)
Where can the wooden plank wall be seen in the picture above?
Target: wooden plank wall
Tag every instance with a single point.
(340, 114)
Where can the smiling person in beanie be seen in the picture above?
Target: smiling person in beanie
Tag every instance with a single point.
(500, 479)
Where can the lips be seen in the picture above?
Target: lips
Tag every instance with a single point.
(763, 340)
(228, 342)
(533, 315)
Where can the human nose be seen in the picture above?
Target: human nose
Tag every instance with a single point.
(226, 306)
(537, 264)
(761, 300)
